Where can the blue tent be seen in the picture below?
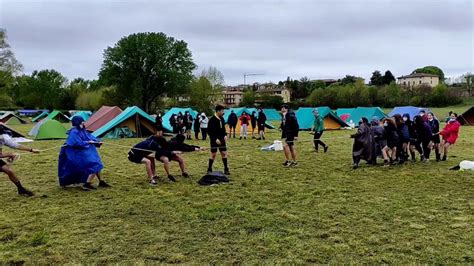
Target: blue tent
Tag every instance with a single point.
(176, 110)
(411, 110)
(133, 118)
(306, 118)
(84, 114)
(272, 114)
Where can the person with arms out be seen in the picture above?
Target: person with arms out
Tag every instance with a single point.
(7, 140)
(244, 123)
(318, 130)
(435, 139)
(218, 138)
(450, 134)
(203, 121)
(362, 148)
(141, 154)
(79, 161)
(289, 132)
(232, 122)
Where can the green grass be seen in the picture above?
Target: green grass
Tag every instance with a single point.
(320, 212)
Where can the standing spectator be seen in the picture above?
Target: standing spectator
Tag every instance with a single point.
(218, 137)
(159, 125)
(174, 124)
(188, 124)
(362, 148)
(261, 122)
(181, 125)
(450, 134)
(289, 132)
(203, 120)
(253, 123)
(244, 123)
(435, 139)
(232, 121)
(318, 130)
(197, 126)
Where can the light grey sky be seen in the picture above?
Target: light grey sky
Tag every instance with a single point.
(317, 39)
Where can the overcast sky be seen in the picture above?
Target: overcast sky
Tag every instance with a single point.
(317, 39)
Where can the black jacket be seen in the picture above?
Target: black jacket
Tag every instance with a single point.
(216, 128)
(232, 120)
(262, 119)
(289, 124)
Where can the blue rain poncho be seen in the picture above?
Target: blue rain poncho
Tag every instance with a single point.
(78, 158)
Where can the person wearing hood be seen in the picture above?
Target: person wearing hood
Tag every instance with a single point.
(79, 161)
(261, 122)
(435, 139)
(318, 130)
(6, 140)
(203, 121)
(424, 135)
(450, 134)
(362, 148)
(377, 133)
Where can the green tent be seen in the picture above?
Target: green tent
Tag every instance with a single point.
(272, 114)
(48, 129)
(305, 118)
(175, 110)
(120, 133)
(355, 114)
(40, 116)
(57, 115)
(134, 118)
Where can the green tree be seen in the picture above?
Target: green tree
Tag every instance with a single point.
(388, 78)
(145, 66)
(214, 76)
(431, 70)
(43, 89)
(248, 99)
(376, 79)
(9, 66)
(201, 93)
(348, 79)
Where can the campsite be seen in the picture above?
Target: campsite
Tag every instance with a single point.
(320, 212)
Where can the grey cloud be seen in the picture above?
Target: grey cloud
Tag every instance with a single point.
(325, 39)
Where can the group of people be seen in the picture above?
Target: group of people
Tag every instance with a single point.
(182, 124)
(394, 139)
(397, 139)
(254, 121)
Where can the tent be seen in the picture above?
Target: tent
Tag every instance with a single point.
(57, 115)
(305, 118)
(176, 110)
(29, 112)
(48, 129)
(411, 110)
(44, 114)
(139, 122)
(355, 114)
(15, 134)
(84, 114)
(272, 114)
(104, 115)
(239, 111)
(11, 118)
(467, 118)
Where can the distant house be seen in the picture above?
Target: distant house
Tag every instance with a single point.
(233, 96)
(283, 92)
(418, 79)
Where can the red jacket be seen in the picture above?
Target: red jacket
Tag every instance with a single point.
(244, 119)
(450, 132)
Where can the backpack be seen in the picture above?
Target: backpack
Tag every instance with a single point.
(213, 178)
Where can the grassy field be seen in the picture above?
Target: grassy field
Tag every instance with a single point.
(321, 212)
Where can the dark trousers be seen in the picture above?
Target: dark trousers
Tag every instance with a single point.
(196, 134)
(204, 133)
(317, 140)
(426, 150)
